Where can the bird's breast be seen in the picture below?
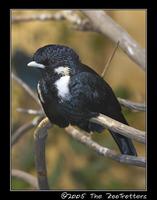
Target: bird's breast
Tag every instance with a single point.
(62, 86)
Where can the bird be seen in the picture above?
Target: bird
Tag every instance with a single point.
(71, 93)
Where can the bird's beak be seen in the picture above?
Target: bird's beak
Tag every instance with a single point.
(35, 64)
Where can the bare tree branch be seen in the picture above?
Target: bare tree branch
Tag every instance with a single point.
(104, 24)
(99, 22)
(26, 87)
(69, 15)
(38, 17)
(120, 128)
(40, 136)
(23, 129)
(25, 177)
(132, 105)
(83, 138)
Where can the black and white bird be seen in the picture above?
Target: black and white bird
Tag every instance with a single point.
(72, 93)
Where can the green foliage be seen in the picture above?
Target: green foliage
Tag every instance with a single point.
(27, 159)
(78, 147)
(114, 185)
(97, 43)
(19, 184)
(122, 92)
(90, 175)
(57, 171)
(64, 34)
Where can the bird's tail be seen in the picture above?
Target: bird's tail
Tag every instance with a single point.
(125, 144)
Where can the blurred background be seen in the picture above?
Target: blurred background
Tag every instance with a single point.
(70, 164)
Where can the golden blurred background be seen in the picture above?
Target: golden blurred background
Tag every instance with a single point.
(70, 164)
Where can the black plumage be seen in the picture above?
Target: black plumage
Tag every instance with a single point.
(71, 93)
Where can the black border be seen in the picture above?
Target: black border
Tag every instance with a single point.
(5, 101)
(151, 78)
(77, 4)
(151, 98)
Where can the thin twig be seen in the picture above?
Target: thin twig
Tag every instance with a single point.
(109, 59)
(26, 87)
(104, 24)
(129, 104)
(120, 128)
(40, 136)
(23, 129)
(132, 105)
(83, 138)
(28, 178)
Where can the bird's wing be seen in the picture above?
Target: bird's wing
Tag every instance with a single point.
(93, 94)
(90, 92)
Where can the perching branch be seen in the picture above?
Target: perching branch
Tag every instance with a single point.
(83, 138)
(25, 177)
(104, 24)
(40, 136)
(120, 128)
(23, 129)
(113, 125)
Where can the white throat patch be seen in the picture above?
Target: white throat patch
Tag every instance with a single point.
(63, 70)
(62, 86)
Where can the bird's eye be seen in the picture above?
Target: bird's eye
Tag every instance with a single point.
(45, 62)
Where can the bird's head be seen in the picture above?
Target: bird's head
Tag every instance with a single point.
(55, 58)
